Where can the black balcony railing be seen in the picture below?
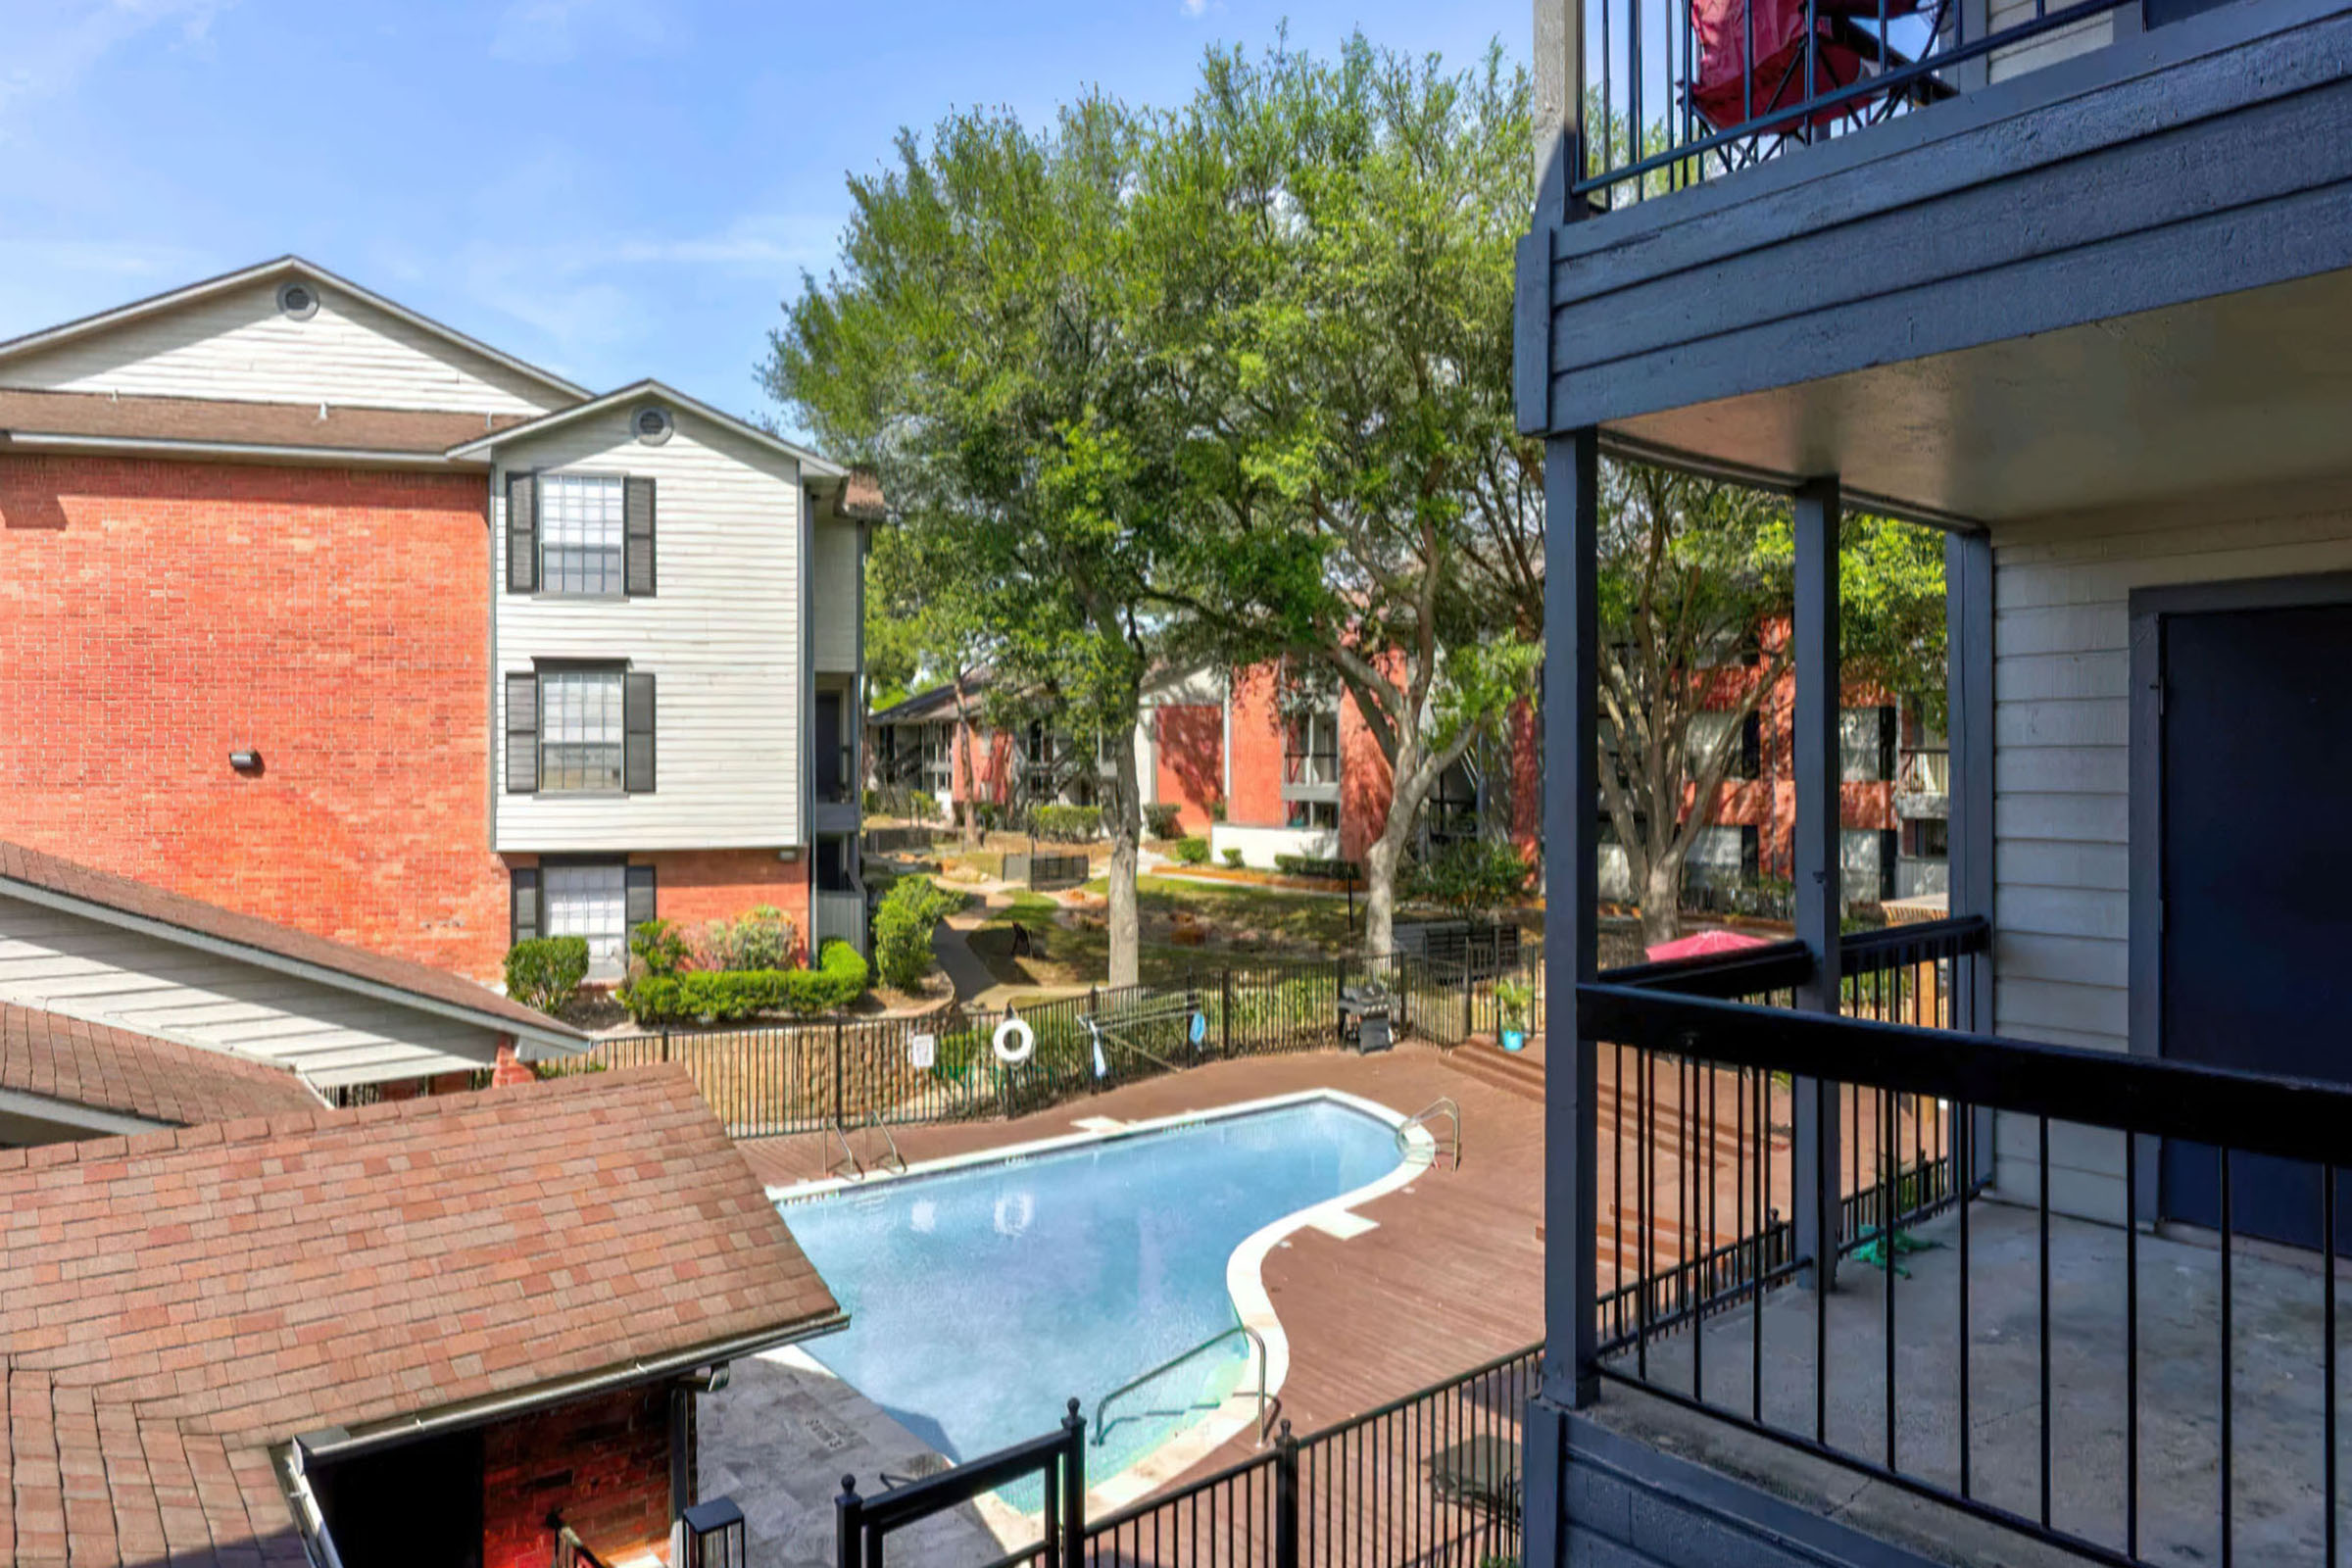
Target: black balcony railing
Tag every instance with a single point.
(1996, 1340)
(1678, 91)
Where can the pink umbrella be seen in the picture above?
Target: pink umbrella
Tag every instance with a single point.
(1702, 945)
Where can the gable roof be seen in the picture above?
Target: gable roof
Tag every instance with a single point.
(184, 1303)
(484, 446)
(325, 431)
(60, 884)
(51, 1057)
(285, 266)
(925, 705)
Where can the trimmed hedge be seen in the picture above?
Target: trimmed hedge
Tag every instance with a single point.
(1163, 821)
(1191, 851)
(1313, 865)
(729, 995)
(545, 972)
(903, 925)
(1067, 824)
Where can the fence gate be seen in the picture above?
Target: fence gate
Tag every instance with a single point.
(867, 1524)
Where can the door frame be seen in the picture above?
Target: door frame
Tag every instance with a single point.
(2150, 608)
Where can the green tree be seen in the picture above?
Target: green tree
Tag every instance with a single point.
(935, 626)
(1692, 572)
(977, 346)
(1334, 242)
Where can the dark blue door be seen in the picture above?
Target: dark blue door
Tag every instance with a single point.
(2257, 739)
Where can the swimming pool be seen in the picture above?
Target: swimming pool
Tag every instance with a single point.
(982, 1297)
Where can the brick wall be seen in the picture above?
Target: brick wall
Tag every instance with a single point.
(1364, 783)
(156, 617)
(603, 1462)
(1256, 745)
(1191, 769)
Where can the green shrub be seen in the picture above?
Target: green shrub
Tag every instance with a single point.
(729, 995)
(1233, 857)
(545, 972)
(1066, 824)
(1471, 878)
(760, 938)
(1514, 1000)
(902, 926)
(1191, 851)
(1162, 821)
(988, 816)
(1315, 866)
(660, 948)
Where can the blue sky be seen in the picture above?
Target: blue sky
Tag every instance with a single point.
(611, 188)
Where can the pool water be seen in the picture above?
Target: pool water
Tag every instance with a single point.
(981, 1299)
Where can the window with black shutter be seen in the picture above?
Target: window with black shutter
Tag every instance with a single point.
(524, 918)
(1891, 844)
(1751, 853)
(523, 533)
(1888, 728)
(638, 520)
(1752, 747)
(637, 724)
(522, 733)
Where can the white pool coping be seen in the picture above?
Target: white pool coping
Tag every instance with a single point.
(1245, 1282)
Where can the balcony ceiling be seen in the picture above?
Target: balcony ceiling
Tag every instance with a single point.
(2235, 389)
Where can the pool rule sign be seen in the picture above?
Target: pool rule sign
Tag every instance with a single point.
(922, 1051)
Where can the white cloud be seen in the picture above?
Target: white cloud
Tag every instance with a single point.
(1194, 8)
(557, 30)
(49, 49)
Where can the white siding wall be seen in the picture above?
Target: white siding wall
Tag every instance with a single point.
(239, 346)
(834, 597)
(84, 969)
(2062, 732)
(722, 637)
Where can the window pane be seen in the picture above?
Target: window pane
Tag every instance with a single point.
(592, 902)
(580, 730)
(580, 533)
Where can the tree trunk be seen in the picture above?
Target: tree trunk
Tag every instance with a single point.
(967, 808)
(1661, 900)
(1126, 822)
(1380, 857)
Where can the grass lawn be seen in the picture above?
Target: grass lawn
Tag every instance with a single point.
(1187, 925)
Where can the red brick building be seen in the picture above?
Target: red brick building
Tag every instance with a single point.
(319, 610)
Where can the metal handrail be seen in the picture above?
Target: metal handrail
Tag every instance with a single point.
(1264, 1399)
(1442, 1106)
(854, 1168)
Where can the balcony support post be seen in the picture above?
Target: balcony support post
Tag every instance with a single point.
(1571, 890)
(1968, 644)
(1819, 882)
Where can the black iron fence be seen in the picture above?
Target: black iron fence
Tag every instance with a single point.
(810, 1077)
(1432, 1479)
(1679, 91)
(2026, 1361)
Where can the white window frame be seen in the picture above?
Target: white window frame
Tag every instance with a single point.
(589, 898)
(582, 730)
(583, 535)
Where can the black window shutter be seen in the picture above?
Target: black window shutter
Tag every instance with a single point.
(1752, 747)
(525, 921)
(1890, 849)
(523, 533)
(637, 516)
(640, 901)
(637, 733)
(522, 734)
(1751, 852)
(1886, 744)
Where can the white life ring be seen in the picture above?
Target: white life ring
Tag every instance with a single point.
(1015, 1042)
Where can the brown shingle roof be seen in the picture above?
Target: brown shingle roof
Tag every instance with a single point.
(222, 420)
(180, 1302)
(138, 1076)
(142, 901)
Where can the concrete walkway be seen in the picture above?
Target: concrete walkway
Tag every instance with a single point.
(958, 960)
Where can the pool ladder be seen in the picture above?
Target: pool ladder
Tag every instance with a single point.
(1444, 1107)
(850, 1166)
(1265, 1401)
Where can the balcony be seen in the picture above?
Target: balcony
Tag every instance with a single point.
(1923, 783)
(1310, 775)
(2021, 1384)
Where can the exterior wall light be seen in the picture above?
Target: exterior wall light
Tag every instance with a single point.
(710, 1535)
(246, 762)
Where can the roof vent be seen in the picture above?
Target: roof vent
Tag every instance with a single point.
(297, 299)
(653, 425)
